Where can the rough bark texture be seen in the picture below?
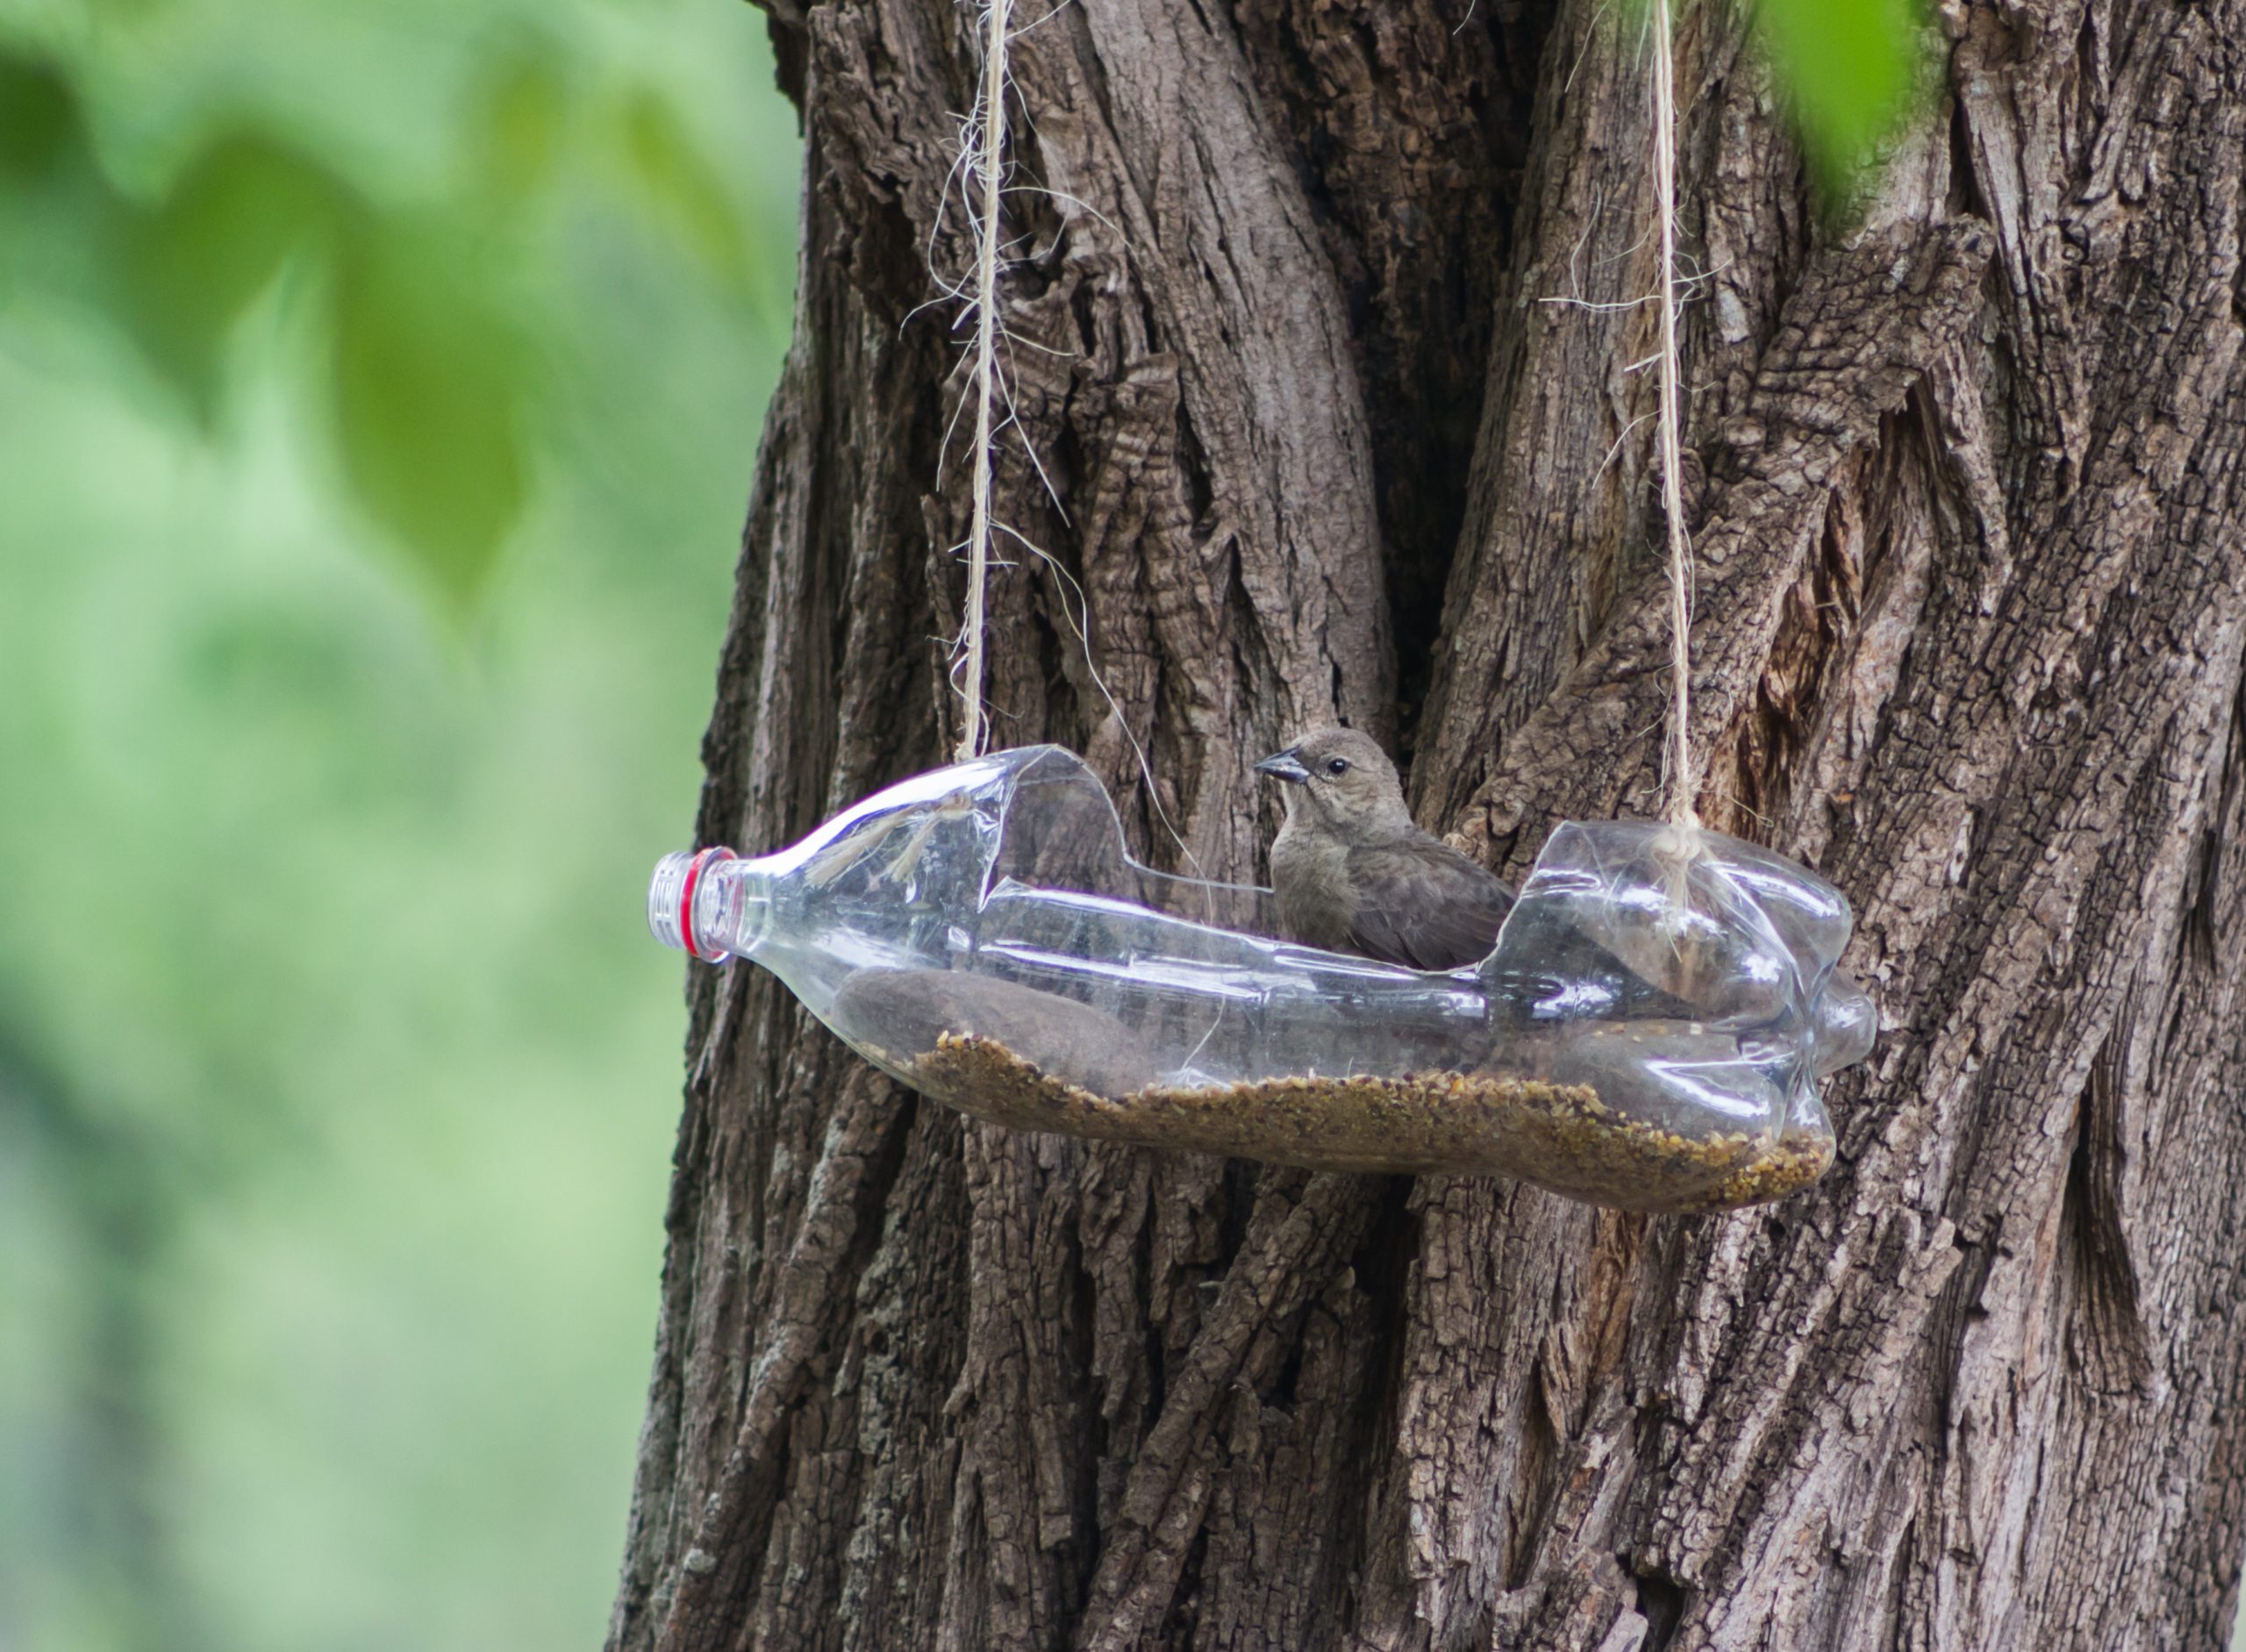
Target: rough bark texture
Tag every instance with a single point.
(1321, 433)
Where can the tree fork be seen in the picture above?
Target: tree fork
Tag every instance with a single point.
(1963, 477)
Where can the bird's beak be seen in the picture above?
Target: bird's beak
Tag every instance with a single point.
(1283, 766)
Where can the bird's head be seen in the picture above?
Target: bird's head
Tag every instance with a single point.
(1341, 780)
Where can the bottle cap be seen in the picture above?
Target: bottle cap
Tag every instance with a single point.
(670, 901)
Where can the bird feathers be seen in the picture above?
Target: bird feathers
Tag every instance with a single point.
(1354, 874)
(1424, 905)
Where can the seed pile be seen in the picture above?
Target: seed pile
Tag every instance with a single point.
(1561, 1136)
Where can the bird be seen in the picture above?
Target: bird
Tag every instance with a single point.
(1352, 872)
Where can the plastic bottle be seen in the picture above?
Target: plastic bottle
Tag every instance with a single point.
(1647, 1032)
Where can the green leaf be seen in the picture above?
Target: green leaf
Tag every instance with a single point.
(427, 388)
(245, 202)
(516, 116)
(55, 204)
(682, 189)
(40, 128)
(1849, 70)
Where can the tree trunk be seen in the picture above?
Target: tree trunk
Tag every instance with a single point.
(1320, 433)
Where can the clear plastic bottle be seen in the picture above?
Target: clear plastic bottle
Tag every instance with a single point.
(1647, 1032)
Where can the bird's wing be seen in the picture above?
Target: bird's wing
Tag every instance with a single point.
(1424, 905)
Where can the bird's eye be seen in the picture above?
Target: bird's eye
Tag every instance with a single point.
(1338, 766)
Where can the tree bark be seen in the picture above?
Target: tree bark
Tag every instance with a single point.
(1320, 433)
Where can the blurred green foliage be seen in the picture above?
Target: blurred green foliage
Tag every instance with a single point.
(427, 378)
(1850, 72)
(380, 380)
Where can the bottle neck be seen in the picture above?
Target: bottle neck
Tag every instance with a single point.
(712, 905)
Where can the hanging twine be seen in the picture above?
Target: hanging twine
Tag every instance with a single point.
(990, 146)
(983, 145)
(1683, 781)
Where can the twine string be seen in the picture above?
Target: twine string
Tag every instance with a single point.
(1683, 782)
(989, 148)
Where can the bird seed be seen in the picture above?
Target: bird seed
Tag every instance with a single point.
(1560, 1136)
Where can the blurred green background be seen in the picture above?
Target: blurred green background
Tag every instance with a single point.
(380, 382)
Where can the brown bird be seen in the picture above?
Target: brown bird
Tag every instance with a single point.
(1354, 874)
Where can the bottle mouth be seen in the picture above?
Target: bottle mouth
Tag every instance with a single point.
(670, 901)
(1847, 1025)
